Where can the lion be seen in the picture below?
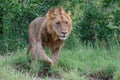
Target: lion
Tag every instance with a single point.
(49, 31)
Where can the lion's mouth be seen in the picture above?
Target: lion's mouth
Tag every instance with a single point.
(63, 37)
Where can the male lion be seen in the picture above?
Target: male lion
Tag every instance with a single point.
(49, 31)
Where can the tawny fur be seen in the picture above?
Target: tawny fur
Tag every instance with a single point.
(49, 31)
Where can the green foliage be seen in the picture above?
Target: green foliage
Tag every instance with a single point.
(95, 21)
(15, 17)
(98, 23)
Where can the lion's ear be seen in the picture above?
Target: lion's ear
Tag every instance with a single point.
(50, 13)
(68, 13)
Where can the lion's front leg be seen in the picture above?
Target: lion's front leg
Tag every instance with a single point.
(55, 55)
(42, 53)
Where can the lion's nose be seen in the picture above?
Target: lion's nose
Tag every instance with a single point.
(64, 32)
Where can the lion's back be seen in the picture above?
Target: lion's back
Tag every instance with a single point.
(34, 27)
(36, 22)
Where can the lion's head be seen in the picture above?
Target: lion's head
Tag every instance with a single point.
(59, 23)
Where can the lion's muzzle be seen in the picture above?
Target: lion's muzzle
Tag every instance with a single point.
(63, 36)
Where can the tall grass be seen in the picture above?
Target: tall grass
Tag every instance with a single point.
(80, 63)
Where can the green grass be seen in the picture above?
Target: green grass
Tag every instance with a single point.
(9, 73)
(74, 64)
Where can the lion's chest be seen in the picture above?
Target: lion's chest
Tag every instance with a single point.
(51, 41)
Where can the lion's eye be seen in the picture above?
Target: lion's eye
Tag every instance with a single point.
(57, 23)
(66, 22)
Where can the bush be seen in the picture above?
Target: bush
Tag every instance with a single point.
(93, 21)
(97, 23)
(15, 17)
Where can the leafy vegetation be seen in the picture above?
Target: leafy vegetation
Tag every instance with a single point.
(98, 23)
(94, 21)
